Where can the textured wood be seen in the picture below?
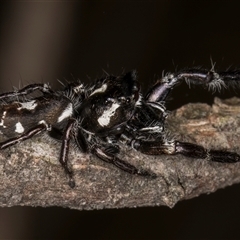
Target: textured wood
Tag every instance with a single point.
(31, 175)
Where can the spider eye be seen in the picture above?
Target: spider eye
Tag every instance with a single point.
(124, 100)
(108, 101)
(128, 100)
(121, 99)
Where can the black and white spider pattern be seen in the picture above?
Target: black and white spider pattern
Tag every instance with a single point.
(109, 111)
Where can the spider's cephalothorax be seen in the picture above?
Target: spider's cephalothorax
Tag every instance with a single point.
(110, 105)
(109, 111)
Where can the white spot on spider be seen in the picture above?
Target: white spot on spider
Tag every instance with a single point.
(19, 128)
(2, 119)
(66, 113)
(155, 129)
(104, 120)
(48, 127)
(139, 101)
(46, 87)
(28, 105)
(102, 89)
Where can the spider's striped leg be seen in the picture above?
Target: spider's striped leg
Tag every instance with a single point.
(106, 156)
(33, 131)
(186, 149)
(196, 151)
(65, 149)
(43, 87)
(66, 137)
(209, 78)
(196, 76)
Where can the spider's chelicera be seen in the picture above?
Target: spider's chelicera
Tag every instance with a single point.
(109, 111)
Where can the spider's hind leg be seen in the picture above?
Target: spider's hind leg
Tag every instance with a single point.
(44, 88)
(33, 131)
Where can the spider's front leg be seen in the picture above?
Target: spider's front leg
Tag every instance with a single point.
(196, 76)
(159, 93)
(196, 151)
(186, 149)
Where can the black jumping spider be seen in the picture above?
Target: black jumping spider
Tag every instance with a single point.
(110, 110)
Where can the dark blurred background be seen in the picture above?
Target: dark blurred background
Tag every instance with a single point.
(46, 41)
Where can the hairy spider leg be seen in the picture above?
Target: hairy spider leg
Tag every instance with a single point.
(45, 88)
(196, 76)
(196, 151)
(186, 149)
(203, 76)
(160, 91)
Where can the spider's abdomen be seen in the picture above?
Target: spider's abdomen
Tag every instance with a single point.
(18, 117)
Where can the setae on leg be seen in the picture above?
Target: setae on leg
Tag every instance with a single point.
(186, 149)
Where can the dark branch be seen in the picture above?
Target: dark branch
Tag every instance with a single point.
(31, 174)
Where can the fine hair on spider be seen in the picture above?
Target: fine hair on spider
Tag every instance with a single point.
(108, 111)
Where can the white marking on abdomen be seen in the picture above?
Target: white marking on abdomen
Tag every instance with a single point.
(104, 120)
(28, 105)
(68, 111)
(19, 128)
(2, 119)
(100, 90)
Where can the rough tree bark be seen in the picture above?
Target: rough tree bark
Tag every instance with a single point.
(31, 175)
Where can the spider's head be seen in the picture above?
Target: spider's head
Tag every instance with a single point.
(111, 103)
